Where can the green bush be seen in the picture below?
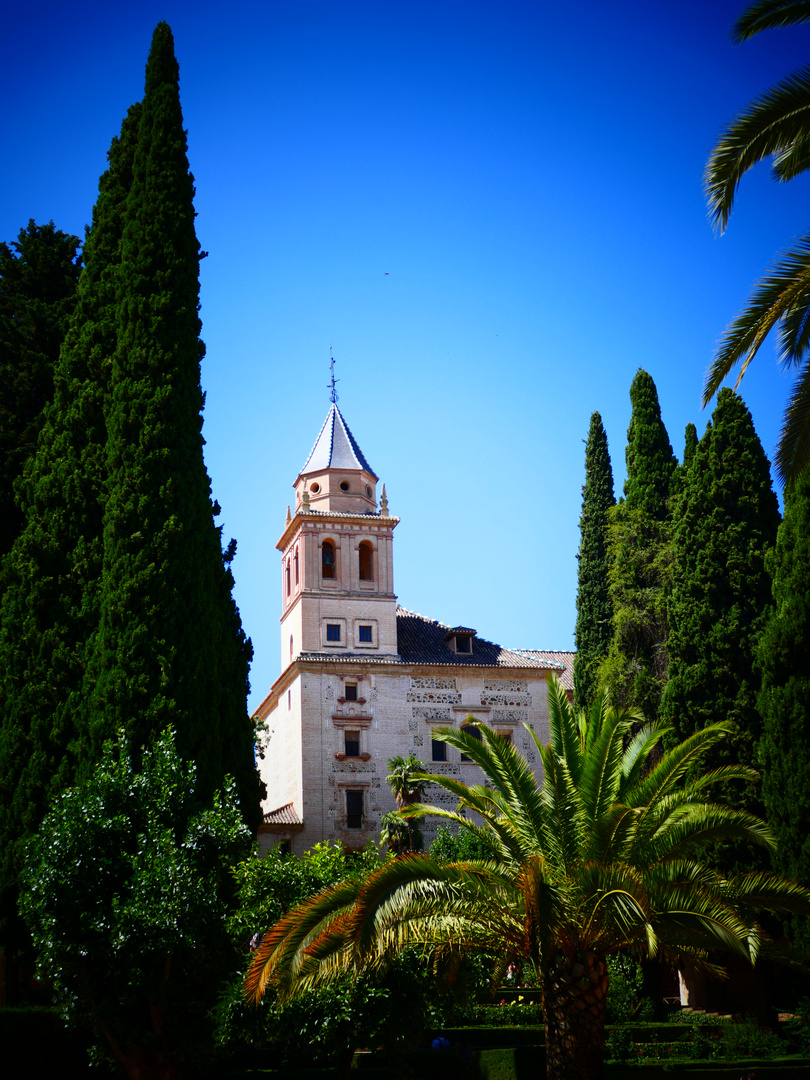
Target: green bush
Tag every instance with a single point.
(746, 1039)
(625, 998)
(619, 1045)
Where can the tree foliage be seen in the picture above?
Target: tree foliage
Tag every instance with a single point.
(50, 606)
(639, 552)
(725, 524)
(784, 658)
(608, 855)
(38, 277)
(170, 648)
(775, 126)
(593, 631)
(118, 611)
(124, 889)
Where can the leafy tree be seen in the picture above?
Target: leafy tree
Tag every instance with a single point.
(784, 657)
(606, 856)
(639, 551)
(777, 126)
(725, 524)
(50, 607)
(593, 631)
(124, 891)
(170, 648)
(38, 277)
(407, 786)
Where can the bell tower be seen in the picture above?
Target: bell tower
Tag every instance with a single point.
(337, 569)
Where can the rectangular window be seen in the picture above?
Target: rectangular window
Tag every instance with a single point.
(505, 735)
(463, 644)
(333, 631)
(354, 809)
(350, 691)
(438, 750)
(365, 634)
(352, 743)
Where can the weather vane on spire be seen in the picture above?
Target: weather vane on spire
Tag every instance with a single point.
(333, 391)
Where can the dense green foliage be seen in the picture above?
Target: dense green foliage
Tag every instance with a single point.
(639, 549)
(125, 890)
(407, 787)
(594, 626)
(606, 857)
(117, 611)
(726, 517)
(38, 277)
(50, 607)
(784, 700)
(777, 126)
(170, 648)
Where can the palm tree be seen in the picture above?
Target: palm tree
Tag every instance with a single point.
(776, 126)
(604, 856)
(408, 787)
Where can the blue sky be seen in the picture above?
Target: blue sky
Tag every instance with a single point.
(494, 215)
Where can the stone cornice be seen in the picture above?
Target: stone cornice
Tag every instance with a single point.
(374, 522)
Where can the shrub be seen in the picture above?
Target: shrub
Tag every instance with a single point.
(746, 1039)
(625, 998)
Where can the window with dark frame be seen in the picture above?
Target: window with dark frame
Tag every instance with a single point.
(354, 809)
(350, 691)
(333, 631)
(463, 644)
(364, 634)
(438, 750)
(351, 743)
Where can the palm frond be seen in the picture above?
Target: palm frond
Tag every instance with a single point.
(783, 295)
(769, 125)
(793, 449)
(769, 15)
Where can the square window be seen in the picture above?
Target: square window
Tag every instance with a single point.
(438, 750)
(354, 809)
(365, 634)
(350, 691)
(333, 631)
(463, 644)
(351, 743)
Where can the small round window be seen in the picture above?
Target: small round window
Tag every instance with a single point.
(315, 488)
(344, 485)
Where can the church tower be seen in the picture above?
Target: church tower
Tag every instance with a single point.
(363, 680)
(337, 569)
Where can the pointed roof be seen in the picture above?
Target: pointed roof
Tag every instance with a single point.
(336, 447)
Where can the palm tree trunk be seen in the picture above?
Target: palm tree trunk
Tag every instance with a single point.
(574, 999)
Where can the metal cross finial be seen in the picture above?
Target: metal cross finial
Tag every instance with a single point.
(333, 391)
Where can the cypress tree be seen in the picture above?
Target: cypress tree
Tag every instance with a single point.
(170, 648)
(690, 445)
(50, 606)
(38, 277)
(639, 546)
(594, 612)
(726, 522)
(783, 653)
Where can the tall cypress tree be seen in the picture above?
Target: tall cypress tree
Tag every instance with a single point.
(783, 653)
(50, 607)
(725, 524)
(170, 647)
(594, 611)
(38, 277)
(638, 532)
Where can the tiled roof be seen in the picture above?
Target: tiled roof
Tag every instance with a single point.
(558, 656)
(421, 641)
(285, 815)
(336, 447)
